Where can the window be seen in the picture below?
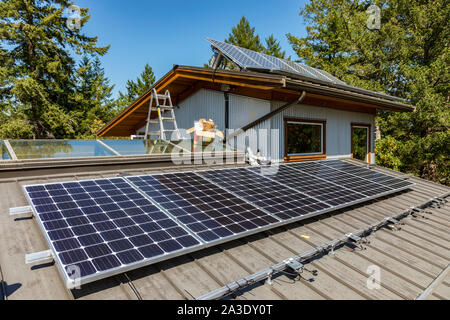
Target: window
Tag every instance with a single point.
(361, 141)
(304, 138)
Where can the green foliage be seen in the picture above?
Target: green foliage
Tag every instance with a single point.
(273, 48)
(93, 97)
(38, 83)
(408, 57)
(244, 36)
(387, 150)
(16, 129)
(359, 143)
(137, 88)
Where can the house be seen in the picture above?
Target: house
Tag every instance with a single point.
(407, 231)
(289, 112)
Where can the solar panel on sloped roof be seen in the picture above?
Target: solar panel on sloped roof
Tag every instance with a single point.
(251, 60)
(248, 59)
(265, 193)
(204, 208)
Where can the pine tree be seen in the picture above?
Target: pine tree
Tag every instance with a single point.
(243, 35)
(94, 102)
(408, 57)
(37, 42)
(134, 89)
(273, 48)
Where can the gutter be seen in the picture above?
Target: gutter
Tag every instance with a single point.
(345, 94)
(327, 89)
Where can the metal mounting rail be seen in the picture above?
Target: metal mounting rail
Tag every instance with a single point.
(434, 284)
(296, 262)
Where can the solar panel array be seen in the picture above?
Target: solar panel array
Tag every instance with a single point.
(101, 225)
(106, 226)
(204, 208)
(263, 192)
(252, 60)
(248, 59)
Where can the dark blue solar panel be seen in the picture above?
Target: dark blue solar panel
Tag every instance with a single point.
(267, 194)
(324, 193)
(248, 59)
(335, 176)
(206, 209)
(104, 224)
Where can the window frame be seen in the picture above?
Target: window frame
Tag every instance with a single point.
(305, 156)
(367, 126)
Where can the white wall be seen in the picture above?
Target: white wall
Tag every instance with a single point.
(244, 110)
(206, 104)
(210, 104)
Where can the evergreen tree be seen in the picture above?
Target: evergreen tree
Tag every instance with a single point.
(408, 57)
(135, 89)
(36, 42)
(243, 35)
(273, 48)
(93, 97)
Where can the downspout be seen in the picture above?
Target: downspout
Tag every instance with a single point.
(227, 110)
(266, 117)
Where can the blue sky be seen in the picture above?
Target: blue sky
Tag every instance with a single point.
(164, 33)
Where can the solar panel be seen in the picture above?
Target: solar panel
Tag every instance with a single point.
(271, 196)
(323, 190)
(377, 178)
(108, 226)
(104, 225)
(204, 208)
(361, 180)
(248, 59)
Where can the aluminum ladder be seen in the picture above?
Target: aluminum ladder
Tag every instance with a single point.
(163, 103)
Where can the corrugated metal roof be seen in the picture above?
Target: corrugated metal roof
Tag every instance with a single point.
(410, 258)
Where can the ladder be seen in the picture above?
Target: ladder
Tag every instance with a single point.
(163, 103)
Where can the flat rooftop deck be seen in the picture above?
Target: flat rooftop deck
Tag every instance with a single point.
(410, 259)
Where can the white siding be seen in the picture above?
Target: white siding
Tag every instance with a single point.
(207, 104)
(210, 104)
(244, 110)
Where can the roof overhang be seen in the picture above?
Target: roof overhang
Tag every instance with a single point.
(183, 81)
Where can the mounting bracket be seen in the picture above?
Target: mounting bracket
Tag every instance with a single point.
(294, 265)
(20, 210)
(35, 257)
